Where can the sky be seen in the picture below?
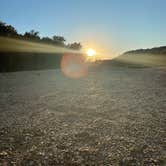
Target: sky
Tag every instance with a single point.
(108, 26)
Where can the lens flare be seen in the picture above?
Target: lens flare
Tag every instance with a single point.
(73, 65)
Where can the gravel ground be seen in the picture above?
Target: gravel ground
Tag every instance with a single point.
(111, 117)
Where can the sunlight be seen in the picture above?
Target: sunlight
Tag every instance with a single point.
(90, 52)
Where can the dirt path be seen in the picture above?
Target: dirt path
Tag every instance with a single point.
(114, 117)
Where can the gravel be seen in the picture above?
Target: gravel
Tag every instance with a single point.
(110, 117)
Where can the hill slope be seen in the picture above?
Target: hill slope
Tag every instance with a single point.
(153, 51)
(145, 57)
(17, 45)
(18, 55)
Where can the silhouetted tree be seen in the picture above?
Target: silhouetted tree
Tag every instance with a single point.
(75, 46)
(47, 40)
(59, 40)
(14, 61)
(10, 31)
(7, 30)
(32, 35)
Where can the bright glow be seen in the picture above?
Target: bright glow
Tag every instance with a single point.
(90, 52)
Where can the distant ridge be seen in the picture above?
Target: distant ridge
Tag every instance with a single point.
(153, 51)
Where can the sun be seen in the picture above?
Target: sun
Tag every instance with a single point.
(90, 52)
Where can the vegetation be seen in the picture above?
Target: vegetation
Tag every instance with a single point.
(152, 51)
(10, 31)
(144, 57)
(31, 52)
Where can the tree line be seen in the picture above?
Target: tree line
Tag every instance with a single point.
(20, 61)
(10, 31)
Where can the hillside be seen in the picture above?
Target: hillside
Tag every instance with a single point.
(152, 51)
(154, 57)
(18, 55)
(17, 45)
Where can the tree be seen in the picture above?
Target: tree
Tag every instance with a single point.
(59, 40)
(75, 46)
(47, 40)
(10, 31)
(32, 35)
(7, 30)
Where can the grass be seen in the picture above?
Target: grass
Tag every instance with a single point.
(143, 60)
(17, 45)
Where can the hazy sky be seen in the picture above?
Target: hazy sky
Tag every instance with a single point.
(110, 26)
